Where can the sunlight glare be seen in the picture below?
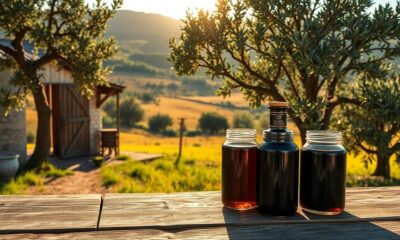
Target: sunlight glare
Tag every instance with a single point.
(171, 8)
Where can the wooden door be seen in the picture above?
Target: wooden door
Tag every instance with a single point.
(71, 122)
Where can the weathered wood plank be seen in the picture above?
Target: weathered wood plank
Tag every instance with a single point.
(361, 230)
(52, 213)
(177, 210)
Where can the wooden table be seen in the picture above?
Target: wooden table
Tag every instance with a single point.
(371, 213)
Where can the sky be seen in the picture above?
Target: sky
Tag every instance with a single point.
(177, 8)
(171, 8)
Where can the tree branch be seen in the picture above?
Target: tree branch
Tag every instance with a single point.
(395, 148)
(365, 149)
(8, 51)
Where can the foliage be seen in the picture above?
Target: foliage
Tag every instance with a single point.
(243, 120)
(300, 51)
(162, 176)
(374, 128)
(213, 123)
(30, 137)
(110, 107)
(98, 161)
(263, 121)
(108, 122)
(53, 172)
(131, 112)
(123, 157)
(159, 123)
(70, 39)
(33, 178)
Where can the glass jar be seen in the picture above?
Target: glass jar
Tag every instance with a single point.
(239, 160)
(278, 166)
(323, 173)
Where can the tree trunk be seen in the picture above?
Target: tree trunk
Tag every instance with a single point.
(382, 167)
(302, 136)
(42, 148)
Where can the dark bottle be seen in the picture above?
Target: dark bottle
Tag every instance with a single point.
(323, 173)
(239, 160)
(278, 166)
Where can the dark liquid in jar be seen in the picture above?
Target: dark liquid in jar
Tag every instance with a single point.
(278, 182)
(239, 177)
(323, 180)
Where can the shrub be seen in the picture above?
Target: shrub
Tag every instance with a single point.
(263, 121)
(123, 157)
(159, 123)
(30, 137)
(131, 112)
(243, 120)
(108, 122)
(213, 123)
(169, 133)
(193, 133)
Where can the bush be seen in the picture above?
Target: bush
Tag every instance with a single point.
(108, 122)
(123, 157)
(110, 107)
(147, 98)
(131, 112)
(30, 137)
(243, 120)
(263, 121)
(193, 133)
(169, 133)
(213, 123)
(159, 123)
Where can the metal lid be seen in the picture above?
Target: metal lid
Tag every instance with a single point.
(278, 136)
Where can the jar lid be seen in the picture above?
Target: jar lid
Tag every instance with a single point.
(278, 136)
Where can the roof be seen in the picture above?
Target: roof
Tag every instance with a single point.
(28, 49)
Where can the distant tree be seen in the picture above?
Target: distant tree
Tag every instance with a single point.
(212, 123)
(374, 127)
(159, 123)
(147, 98)
(300, 51)
(263, 121)
(130, 112)
(110, 107)
(243, 120)
(69, 33)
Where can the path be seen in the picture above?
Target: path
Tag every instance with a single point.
(86, 177)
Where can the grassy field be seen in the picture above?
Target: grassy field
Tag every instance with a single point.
(180, 108)
(235, 98)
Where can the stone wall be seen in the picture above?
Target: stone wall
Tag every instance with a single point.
(95, 126)
(12, 128)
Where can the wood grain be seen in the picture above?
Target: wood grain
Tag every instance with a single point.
(52, 213)
(361, 230)
(179, 210)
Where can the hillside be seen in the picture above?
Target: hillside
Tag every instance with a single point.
(143, 31)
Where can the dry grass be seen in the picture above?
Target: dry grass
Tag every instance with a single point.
(179, 108)
(235, 98)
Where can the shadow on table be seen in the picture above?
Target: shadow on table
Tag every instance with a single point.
(239, 227)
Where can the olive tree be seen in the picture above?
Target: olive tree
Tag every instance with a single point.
(305, 52)
(374, 127)
(68, 33)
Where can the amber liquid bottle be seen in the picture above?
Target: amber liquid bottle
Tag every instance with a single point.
(239, 160)
(278, 166)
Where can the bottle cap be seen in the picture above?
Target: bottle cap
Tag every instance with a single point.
(278, 104)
